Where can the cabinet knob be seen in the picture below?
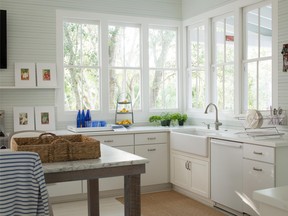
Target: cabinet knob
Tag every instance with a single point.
(188, 165)
(257, 169)
(257, 153)
(150, 150)
(108, 141)
(151, 138)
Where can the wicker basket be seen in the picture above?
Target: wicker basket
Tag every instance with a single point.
(52, 148)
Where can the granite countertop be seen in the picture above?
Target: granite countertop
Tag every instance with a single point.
(110, 157)
(276, 197)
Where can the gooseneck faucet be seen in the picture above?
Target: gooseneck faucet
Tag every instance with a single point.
(217, 123)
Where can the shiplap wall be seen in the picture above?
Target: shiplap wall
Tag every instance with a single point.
(32, 38)
(282, 39)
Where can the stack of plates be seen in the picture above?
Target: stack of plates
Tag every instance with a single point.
(254, 119)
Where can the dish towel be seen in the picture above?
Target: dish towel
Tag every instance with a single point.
(22, 185)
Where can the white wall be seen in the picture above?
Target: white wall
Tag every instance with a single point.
(192, 8)
(32, 38)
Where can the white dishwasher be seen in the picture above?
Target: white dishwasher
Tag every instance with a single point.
(226, 173)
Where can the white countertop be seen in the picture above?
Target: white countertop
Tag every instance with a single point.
(276, 197)
(110, 157)
(223, 133)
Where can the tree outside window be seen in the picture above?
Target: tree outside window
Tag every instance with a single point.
(163, 69)
(124, 63)
(81, 66)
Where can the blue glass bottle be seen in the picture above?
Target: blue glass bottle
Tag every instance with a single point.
(88, 119)
(83, 118)
(78, 123)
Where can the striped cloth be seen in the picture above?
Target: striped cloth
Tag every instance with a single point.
(22, 185)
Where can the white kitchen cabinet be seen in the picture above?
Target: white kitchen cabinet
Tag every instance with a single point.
(258, 172)
(190, 173)
(154, 147)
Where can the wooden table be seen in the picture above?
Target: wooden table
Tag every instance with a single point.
(113, 162)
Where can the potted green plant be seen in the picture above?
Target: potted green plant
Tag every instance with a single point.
(182, 118)
(166, 119)
(156, 119)
(175, 117)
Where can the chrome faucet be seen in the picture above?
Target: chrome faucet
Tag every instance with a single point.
(217, 123)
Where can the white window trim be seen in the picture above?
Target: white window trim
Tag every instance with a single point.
(105, 20)
(236, 9)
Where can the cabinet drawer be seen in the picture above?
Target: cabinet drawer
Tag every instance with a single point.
(260, 153)
(151, 138)
(116, 140)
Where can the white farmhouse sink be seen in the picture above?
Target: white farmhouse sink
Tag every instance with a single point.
(194, 141)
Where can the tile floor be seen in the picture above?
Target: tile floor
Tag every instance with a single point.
(108, 207)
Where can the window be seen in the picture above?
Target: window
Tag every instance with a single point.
(196, 66)
(81, 65)
(257, 61)
(232, 67)
(124, 63)
(102, 56)
(163, 68)
(223, 62)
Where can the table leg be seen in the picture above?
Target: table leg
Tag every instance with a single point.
(93, 197)
(132, 195)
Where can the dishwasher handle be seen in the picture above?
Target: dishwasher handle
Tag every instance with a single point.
(227, 144)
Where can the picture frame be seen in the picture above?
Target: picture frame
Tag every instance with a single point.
(46, 75)
(25, 75)
(45, 118)
(23, 118)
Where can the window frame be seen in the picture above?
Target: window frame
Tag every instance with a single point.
(176, 69)
(104, 20)
(81, 66)
(125, 68)
(189, 70)
(236, 9)
(258, 59)
(214, 65)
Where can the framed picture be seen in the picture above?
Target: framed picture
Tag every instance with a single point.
(25, 75)
(23, 118)
(46, 75)
(45, 118)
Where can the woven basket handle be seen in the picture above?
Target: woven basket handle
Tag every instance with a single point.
(45, 134)
(62, 142)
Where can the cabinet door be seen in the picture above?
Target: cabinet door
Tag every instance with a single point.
(157, 168)
(200, 177)
(256, 176)
(180, 173)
